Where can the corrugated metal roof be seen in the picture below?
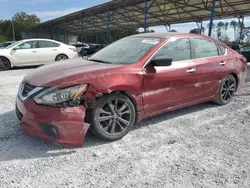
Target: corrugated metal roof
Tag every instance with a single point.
(130, 14)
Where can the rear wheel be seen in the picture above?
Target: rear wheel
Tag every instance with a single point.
(113, 117)
(227, 90)
(4, 64)
(61, 57)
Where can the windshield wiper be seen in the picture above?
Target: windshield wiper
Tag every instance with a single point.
(99, 61)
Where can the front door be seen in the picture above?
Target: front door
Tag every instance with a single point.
(168, 86)
(25, 53)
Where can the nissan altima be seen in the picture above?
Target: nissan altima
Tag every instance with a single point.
(131, 79)
(35, 52)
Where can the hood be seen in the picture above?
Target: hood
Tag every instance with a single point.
(68, 72)
(4, 51)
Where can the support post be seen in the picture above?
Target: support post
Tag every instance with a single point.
(241, 22)
(51, 32)
(211, 18)
(67, 30)
(201, 27)
(145, 15)
(82, 51)
(108, 26)
(82, 27)
(40, 32)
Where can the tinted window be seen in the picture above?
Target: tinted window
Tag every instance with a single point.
(48, 44)
(205, 48)
(177, 50)
(27, 45)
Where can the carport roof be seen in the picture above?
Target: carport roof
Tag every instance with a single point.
(131, 14)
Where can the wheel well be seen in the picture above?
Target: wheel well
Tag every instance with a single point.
(122, 92)
(61, 54)
(129, 96)
(236, 78)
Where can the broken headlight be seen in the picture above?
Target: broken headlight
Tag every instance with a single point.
(65, 97)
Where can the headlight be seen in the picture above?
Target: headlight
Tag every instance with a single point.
(70, 96)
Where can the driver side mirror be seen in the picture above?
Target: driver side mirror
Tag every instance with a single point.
(161, 62)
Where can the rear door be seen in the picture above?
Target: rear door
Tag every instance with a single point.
(168, 86)
(211, 65)
(26, 53)
(48, 51)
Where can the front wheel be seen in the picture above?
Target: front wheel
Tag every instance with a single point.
(113, 117)
(227, 89)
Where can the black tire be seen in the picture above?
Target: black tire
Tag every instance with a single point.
(113, 117)
(4, 64)
(61, 57)
(227, 89)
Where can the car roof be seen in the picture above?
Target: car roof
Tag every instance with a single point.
(164, 35)
(25, 40)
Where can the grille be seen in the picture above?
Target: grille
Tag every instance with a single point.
(19, 114)
(27, 88)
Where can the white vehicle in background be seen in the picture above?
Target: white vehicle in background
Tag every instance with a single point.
(35, 52)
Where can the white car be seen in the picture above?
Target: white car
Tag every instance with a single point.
(35, 52)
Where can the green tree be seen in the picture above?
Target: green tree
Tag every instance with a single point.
(220, 26)
(2, 38)
(23, 21)
(234, 25)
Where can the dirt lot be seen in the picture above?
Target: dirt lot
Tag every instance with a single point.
(201, 146)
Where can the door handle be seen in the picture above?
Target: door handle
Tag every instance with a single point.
(223, 63)
(34, 51)
(54, 50)
(191, 70)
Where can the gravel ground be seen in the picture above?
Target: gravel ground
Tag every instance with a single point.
(200, 146)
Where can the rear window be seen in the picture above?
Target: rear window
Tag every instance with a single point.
(222, 49)
(205, 48)
(48, 44)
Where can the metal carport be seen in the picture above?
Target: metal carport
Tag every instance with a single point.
(125, 14)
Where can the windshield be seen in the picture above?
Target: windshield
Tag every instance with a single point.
(14, 44)
(125, 51)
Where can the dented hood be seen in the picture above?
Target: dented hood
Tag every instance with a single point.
(68, 72)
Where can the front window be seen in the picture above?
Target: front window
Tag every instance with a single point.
(27, 45)
(125, 51)
(177, 50)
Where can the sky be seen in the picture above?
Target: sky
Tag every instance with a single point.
(49, 9)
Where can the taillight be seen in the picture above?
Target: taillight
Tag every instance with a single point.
(73, 49)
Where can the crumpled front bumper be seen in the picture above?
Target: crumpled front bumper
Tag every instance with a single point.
(64, 126)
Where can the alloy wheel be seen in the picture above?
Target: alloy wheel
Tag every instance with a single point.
(61, 57)
(114, 116)
(228, 89)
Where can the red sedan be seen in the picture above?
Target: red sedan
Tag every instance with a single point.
(129, 80)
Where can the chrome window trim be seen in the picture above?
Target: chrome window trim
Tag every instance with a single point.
(191, 49)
